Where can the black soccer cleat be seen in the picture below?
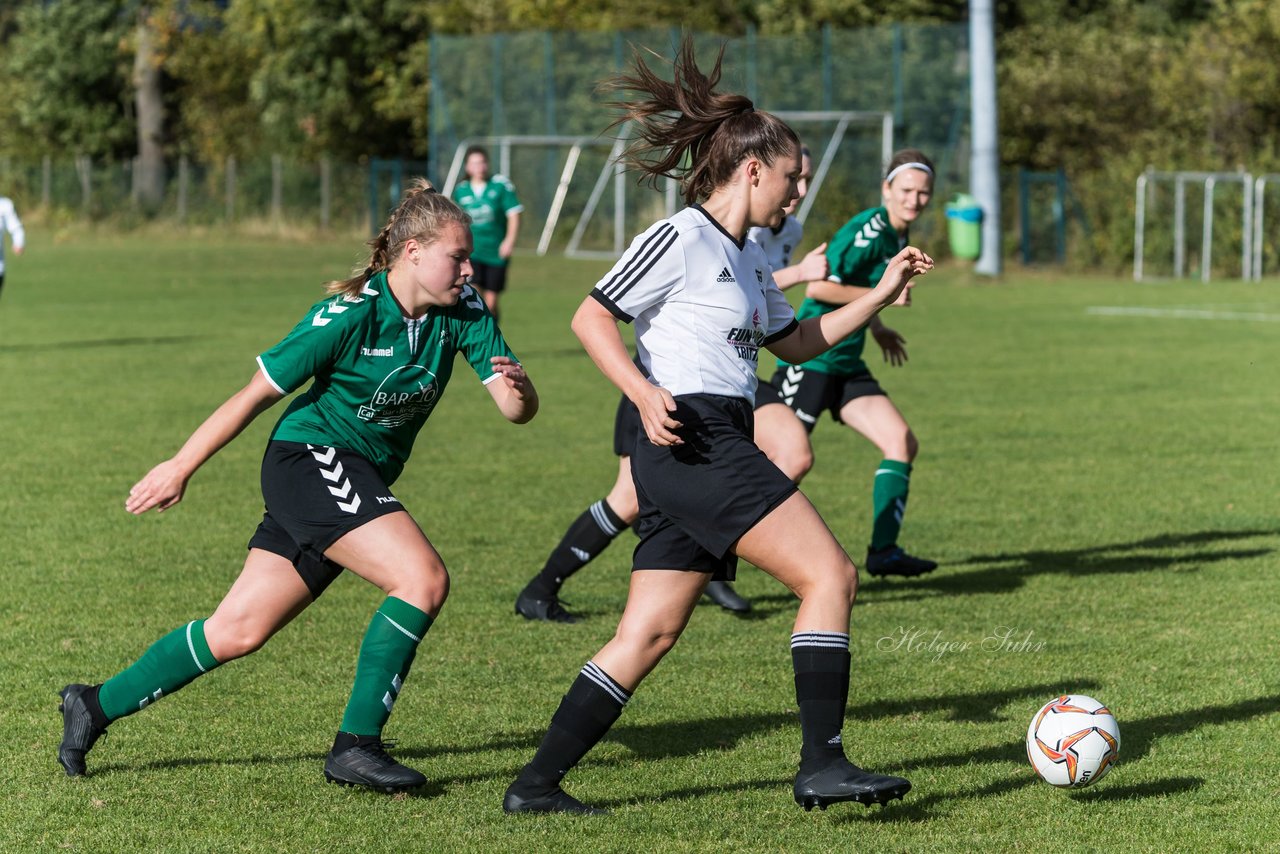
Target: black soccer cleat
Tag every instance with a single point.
(78, 730)
(843, 781)
(892, 560)
(368, 765)
(552, 800)
(723, 594)
(547, 610)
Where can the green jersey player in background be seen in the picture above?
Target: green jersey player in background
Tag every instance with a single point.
(494, 208)
(839, 381)
(380, 350)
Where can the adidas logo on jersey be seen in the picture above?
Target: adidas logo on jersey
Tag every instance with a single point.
(725, 276)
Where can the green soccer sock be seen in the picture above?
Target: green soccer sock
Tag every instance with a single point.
(386, 655)
(171, 662)
(889, 500)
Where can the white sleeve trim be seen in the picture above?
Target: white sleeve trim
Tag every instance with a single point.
(491, 378)
(267, 375)
(517, 209)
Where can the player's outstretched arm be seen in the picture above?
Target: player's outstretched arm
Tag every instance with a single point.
(892, 344)
(164, 485)
(819, 334)
(597, 329)
(812, 267)
(513, 392)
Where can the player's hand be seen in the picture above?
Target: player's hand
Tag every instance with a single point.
(505, 248)
(815, 266)
(893, 344)
(904, 267)
(656, 407)
(161, 488)
(513, 375)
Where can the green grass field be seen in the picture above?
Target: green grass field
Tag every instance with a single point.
(1101, 486)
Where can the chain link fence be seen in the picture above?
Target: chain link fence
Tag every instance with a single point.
(269, 192)
(545, 83)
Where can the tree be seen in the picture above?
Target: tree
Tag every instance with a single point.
(149, 109)
(68, 68)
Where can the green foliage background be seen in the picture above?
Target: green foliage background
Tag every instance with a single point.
(1100, 88)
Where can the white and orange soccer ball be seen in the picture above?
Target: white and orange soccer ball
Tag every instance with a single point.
(1073, 741)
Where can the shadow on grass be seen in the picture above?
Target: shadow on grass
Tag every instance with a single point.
(1152, 789)
(685, 738)
(89, 344)
(1008, 571)
(1136, 736)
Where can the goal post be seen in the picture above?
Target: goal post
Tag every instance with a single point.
(1146, 203)
(573, 147)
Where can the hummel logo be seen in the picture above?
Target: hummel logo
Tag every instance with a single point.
(725, 276)
(377, 351)
(869, 232)
(791, 382)
(321, 319)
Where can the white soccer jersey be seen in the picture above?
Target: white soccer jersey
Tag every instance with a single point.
(9, 222)
(703, 305)
(778, 245)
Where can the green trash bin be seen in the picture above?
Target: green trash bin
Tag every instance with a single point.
(964, 226)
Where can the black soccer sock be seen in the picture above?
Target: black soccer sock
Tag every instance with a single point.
(590, 534)
(821, 662)
(592, 705)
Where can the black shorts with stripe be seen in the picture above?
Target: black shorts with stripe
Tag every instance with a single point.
(629, 429)
(697, 499)
(809, 392)
(314, 495)
(489, 277)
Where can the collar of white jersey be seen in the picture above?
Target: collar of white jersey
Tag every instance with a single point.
(741, 244)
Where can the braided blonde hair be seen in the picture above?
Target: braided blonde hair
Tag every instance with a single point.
(422, 215)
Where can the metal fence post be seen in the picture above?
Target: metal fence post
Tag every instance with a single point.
(231, 189)
(277, 189)
(326, 190)
(84, 167)
(184, 175)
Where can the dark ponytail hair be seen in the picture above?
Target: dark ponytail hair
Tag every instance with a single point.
(421, 215)
(688, 131)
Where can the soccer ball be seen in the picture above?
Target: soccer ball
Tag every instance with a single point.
(1073, 741)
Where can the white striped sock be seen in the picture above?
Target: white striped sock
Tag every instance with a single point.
(827, 640)
(592, 671)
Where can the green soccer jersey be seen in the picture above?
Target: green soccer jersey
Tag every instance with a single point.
(488, 209)
(858, 255)
(377, 373)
